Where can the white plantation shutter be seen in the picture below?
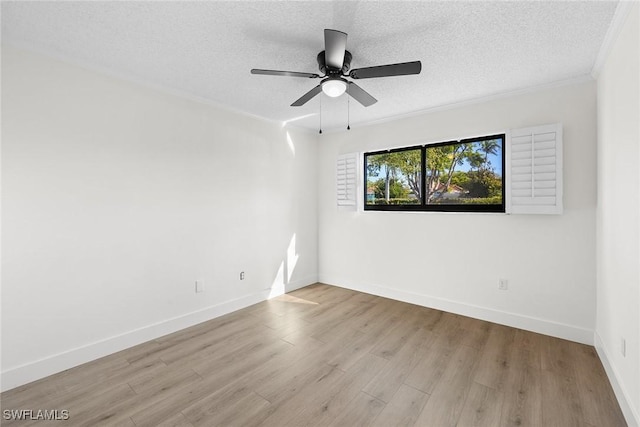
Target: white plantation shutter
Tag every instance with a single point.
(346, 179)
(535, 170)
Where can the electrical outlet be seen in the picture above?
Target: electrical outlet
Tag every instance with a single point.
(503, 284)
(199, 286)
(623, 347)
(242, 275)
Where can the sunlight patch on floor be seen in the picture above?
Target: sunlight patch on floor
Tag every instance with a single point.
(291, 298)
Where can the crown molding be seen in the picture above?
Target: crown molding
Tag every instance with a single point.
(619, 17)
(105, 71)
(473, 101)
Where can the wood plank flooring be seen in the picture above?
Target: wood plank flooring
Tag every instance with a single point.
(327, 356)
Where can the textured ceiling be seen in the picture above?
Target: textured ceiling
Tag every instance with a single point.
(206, 49)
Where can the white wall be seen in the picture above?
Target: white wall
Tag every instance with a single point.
(116, 198)
(453, 261)
(618, 216)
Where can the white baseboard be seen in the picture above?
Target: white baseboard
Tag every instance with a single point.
(630, 414)
(529, 323)
(50, 365)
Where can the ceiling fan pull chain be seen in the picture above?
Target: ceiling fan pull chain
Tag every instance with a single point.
(320, 114)
(348, 105)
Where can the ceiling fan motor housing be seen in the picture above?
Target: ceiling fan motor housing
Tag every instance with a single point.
(346, 65)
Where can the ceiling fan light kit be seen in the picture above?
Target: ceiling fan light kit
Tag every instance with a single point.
(334, 87)
(334, 62)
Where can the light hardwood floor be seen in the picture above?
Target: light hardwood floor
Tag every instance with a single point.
(328, 356)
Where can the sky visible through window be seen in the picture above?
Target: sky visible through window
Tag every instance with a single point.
(466, 166)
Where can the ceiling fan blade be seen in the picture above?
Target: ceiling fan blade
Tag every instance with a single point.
(402, 69)
(335, 43)
(284, 73)
(307, 96)
(360, 95)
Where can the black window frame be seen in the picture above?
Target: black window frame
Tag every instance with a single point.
(422, 206)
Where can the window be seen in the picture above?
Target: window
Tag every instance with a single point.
(456, 176)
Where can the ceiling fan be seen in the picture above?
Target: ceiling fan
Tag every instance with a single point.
(334, 62)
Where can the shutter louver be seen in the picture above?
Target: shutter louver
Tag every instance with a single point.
(535, 167)
(346, 176)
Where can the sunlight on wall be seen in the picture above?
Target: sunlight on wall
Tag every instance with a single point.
(292, 257)
(286, 269)
(277, 287)
(291, 146)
